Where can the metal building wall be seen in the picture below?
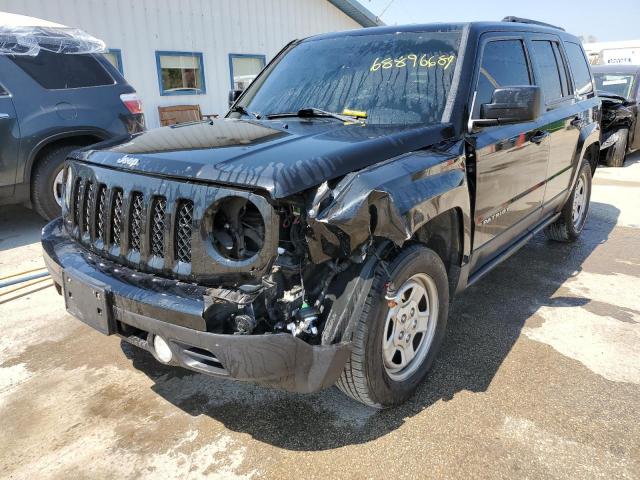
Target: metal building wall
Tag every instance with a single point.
(214, 27)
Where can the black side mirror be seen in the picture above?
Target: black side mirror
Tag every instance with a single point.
(511, 105)
(234, 95)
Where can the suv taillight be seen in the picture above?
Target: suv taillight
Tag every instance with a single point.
(132, 102)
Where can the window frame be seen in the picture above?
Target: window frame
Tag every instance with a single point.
(545, 37)
(118, 54)
(175, 53)
(496, 37)
(576, 94)
(244, 55)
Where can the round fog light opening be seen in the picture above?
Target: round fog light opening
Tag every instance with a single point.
(162, 349)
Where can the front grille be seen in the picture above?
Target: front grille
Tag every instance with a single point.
(116, 217)
(169, 227)
(107, 211)
(157, 227)
(184, 227)
(135, 222)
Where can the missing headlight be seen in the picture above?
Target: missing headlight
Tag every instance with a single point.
(238, 231)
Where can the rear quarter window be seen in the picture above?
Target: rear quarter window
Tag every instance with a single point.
(579, 68)
(55, 71)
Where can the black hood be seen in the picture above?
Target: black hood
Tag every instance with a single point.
(282, 158)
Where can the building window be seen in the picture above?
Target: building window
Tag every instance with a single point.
(114, 56)
(243, 68)
(180, 73)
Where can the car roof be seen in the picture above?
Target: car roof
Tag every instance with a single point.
(616, 68)
(476, 27)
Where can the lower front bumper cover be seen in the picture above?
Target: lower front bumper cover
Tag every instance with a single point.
(173, 310)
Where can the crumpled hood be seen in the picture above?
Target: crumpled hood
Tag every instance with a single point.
(280, 157)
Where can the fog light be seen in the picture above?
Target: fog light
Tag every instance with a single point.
(162, 349)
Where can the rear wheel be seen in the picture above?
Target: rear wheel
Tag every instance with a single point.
(617, 152)
(46, 182)
(568, 226)
(395, 343)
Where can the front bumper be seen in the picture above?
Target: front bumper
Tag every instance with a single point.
(143, 305)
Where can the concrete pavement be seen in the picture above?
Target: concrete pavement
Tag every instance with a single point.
(539, 377)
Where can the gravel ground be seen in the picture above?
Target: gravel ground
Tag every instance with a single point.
(539, 376)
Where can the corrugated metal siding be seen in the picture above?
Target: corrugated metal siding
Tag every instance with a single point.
(214, 27)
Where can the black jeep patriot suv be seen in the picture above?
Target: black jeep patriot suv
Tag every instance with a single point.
(318, 234)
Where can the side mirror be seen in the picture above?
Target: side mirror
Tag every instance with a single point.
(234, 95)
(511, 105)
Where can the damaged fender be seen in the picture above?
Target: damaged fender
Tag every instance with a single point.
(390, 200)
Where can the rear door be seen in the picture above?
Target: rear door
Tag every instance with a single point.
(561, 117)
(9, 143)
(511, 160)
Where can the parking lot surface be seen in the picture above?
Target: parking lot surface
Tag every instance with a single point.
(539, 377)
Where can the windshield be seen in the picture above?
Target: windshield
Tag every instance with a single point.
(618, 83)
(396, 78)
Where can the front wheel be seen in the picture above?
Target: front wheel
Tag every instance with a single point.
(569, 225)
(46, 183)
(396, 341)
(617, 152)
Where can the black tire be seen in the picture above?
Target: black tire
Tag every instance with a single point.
(48, 166)
(617, 152)
(565, 229)
(365, 378)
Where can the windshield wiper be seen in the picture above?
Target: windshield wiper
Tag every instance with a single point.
(243, 111)
(316, 112)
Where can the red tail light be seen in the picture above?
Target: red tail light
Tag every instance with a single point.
(132, 102)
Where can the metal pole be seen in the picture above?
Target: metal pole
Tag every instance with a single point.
(15, 281)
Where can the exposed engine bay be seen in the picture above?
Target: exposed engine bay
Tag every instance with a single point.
(293, 294)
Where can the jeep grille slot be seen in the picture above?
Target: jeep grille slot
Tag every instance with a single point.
(157, 226)
(116, 217)
(76, 202)
(184, 228)
(101, 212)
(88, 205)
(135, 221)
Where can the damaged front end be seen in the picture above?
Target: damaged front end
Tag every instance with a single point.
(235, 282)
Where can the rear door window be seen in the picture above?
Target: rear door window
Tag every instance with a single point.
(504, 63)
(55, 71)
(579, 68)
(563, 69)
(549, 80)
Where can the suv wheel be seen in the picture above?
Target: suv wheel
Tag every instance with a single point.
(574, 213)
(617, 152)
(46, 183)
(394, 346)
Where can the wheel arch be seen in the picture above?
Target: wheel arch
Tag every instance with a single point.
(82, 137)
(444, 234)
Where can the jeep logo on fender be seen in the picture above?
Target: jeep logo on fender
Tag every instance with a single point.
(128, 161)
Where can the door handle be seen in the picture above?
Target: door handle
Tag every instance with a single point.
(576, 122)
(539, 136)
(4, 115)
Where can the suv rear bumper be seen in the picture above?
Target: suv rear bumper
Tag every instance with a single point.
(143, 305)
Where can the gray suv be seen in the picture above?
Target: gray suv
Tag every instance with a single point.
(50, 105)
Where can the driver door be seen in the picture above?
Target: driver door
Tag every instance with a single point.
(511, 160)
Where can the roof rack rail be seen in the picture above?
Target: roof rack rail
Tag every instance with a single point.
(532, 22)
